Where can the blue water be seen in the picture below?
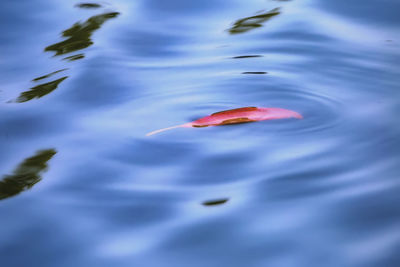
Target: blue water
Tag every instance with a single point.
(81, 83)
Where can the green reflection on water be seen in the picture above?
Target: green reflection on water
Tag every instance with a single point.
(79, 37)
(74, 57)
(80, 34)
(47, 75)
(39, 90)
(250, 23)
(26, 175)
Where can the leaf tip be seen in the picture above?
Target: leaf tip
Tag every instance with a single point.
(162, 130)
(298, 116)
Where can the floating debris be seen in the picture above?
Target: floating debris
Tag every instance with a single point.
(238, 115)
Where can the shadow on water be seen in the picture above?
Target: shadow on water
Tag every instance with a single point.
(40, 90)
(26, 175)
(80, 34)
(250, 23)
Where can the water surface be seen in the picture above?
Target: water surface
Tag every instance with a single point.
(81, 83)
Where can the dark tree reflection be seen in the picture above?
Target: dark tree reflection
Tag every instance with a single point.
(250, 23)
(26, 175)
(79, 35)
(47, 75)
(40, 90)
(74, 57)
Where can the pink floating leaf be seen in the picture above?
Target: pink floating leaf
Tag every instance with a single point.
(238, 115)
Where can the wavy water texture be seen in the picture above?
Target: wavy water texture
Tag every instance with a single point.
(321, 191)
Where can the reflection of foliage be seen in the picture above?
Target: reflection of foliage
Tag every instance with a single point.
(74, 57)
(40, 90)
(47, 75)
(250, 23)
(26, 175)
(79, 34)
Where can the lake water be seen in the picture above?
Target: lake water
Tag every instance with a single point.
(81, 83)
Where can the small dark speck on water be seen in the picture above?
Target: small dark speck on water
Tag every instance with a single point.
(247, 56)
(215, 202)
(254, 72)
(88, 5)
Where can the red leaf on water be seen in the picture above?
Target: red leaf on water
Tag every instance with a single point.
(238, 115)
